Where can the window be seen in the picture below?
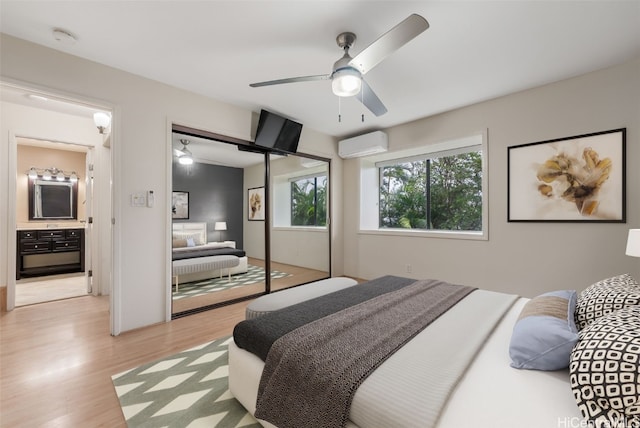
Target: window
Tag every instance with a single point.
(309, 201)
(437, 190)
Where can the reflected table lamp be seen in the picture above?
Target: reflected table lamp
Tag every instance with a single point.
(633, 243)
(220, 226)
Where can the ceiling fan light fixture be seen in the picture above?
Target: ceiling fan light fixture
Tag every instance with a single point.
(346, 82)
(186, 158)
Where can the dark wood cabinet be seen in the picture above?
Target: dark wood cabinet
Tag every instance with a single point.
(37, 245)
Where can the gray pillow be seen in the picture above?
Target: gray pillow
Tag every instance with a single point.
(545, 332)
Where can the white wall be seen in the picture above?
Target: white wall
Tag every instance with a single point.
(141, 156)
(522, 258)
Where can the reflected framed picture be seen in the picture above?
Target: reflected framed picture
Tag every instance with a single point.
(180, 205)
(573, 179)
(255, 203)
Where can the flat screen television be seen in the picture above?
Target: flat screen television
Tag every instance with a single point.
(277, 132)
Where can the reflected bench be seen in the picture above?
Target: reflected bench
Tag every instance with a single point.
(199, 264)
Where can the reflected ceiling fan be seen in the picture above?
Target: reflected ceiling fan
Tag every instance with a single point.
(346, 76)
(185, 157)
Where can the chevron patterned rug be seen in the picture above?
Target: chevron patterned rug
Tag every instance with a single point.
(188, 389)
(198, 288)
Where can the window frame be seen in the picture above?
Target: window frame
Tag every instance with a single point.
(281, 194)
(370, 179)
(315, 177)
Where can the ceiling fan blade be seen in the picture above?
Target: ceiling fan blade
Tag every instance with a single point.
(291, 80)
(371, 100)
(389, 42)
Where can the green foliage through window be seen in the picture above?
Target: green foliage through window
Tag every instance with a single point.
(309, 201)
(438, 193)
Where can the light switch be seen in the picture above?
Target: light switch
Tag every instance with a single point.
(139, 199)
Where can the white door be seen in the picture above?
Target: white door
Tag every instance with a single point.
(88, 232)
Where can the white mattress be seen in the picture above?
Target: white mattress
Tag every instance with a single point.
(490, 394)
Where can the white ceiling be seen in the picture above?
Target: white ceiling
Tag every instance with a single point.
(215, 152)
(473, 50)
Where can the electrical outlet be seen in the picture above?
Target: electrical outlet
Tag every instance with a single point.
(407, 268)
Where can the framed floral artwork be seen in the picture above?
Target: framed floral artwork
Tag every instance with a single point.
(255, 202)
(574, 179)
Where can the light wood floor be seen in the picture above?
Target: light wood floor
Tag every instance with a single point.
(57, 358)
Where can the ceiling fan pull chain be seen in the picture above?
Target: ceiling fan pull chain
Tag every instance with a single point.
(362, 100)
(339, 112)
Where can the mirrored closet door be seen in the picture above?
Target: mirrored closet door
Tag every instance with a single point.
(299, 227)
(217, 242)
(244, 222)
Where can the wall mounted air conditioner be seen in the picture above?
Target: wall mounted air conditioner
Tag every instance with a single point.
(363, 145)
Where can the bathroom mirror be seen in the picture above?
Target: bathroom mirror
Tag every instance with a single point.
(53, 200)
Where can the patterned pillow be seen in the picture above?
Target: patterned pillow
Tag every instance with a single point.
(605, 370)
(606, 296)
(545, 332)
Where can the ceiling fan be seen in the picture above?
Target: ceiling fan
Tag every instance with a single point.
(346, 76)
(185, 157)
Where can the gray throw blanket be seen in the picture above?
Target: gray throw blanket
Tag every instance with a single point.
(311, 374)
(258, 334)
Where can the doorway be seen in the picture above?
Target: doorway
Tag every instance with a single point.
(51, 223)
(54, 123)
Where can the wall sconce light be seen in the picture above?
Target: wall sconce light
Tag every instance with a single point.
(633, 243)
(50, 173)
(102, 121)
(220, 226)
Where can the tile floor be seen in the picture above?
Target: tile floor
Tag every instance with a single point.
(45, 289)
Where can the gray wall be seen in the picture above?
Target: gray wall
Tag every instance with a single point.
(521, 258)
(215, 194)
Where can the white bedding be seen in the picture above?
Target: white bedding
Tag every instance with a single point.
(208, 245)
(490, 394)
(198, 230)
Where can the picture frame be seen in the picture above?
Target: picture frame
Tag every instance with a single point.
(255, 204)
(573, 179)
(180, 205)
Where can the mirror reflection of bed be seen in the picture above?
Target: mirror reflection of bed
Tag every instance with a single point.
(202, 286)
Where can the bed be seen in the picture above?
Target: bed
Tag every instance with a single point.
(190, 244)
(459, 371)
